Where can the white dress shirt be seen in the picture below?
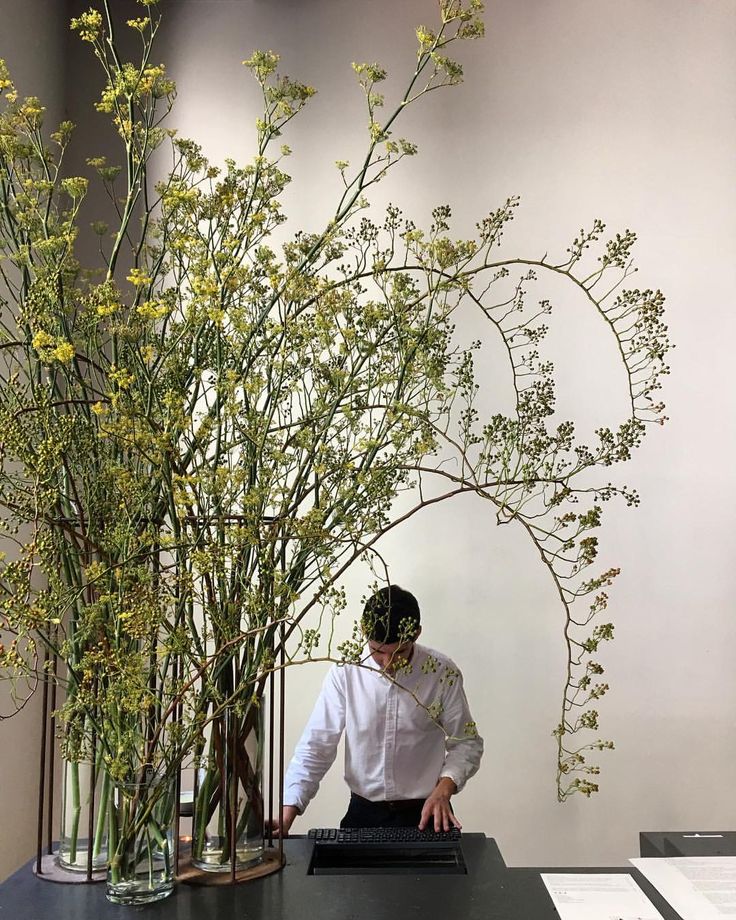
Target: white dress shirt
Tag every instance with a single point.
(401, 735)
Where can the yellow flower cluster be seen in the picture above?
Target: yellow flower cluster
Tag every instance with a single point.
(262, 64)
(75, 187)
(122, 377)
(5, 81)
(64, 352)
(138, 277)
(43, 340)
(31, 110)
(178, 195)
(153, 81)
(89, 25)
(94, 571)
(108, 173)
(52, 349)
(152, 309)
(205, 285)
(129, 82)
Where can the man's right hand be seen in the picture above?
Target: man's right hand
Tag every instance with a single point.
(281, 828)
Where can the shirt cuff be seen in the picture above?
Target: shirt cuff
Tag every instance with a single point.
(292, 797)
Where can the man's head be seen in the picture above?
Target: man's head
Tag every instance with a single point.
(391, 623)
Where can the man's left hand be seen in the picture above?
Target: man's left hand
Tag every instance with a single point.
(436, 809)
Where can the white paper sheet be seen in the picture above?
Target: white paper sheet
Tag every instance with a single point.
(593, 896)
(698, 887)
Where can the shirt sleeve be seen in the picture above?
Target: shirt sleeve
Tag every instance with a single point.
(315, 753)
(463, 744)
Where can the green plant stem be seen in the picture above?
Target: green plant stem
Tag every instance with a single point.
(102, 811)
(75, 811)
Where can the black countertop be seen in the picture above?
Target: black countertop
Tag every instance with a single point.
(489, 891)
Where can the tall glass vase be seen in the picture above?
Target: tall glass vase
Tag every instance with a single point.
(228, 809)
(85, 788)
(141, 865)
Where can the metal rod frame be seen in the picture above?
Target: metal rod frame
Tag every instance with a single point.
(276, 751)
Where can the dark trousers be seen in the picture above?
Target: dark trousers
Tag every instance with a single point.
(363, 813)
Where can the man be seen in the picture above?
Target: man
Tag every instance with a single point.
(411, 742)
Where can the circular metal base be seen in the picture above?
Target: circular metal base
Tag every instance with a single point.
(51, 871)
(190, 875)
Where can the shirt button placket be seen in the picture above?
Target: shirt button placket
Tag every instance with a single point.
(390, 741)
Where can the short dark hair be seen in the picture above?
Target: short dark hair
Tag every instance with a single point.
(391, 615)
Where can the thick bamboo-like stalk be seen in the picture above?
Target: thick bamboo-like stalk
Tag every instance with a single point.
(42, 767)
(271, 714)
(91, 806)
(178, 712)
(232, 815)
(76, 811)
(52, 761)
(105, 792)
(282, 723)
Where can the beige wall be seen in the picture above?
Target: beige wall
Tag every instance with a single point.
(587, 108)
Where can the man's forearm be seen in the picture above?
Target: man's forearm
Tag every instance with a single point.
(462, 760)
(446, 786)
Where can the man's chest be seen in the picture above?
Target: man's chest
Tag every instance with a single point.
(375, 704)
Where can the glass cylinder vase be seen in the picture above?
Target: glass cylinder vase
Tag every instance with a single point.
(141, 842)
(85, 789)
(228, 811)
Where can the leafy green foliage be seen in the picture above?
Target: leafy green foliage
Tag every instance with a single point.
(196, 447)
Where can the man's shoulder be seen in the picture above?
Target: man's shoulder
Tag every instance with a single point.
(434, 657)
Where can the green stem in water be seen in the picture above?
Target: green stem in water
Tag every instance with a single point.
(105, 790)
(76, 811)
(201, 811)
(112, 841)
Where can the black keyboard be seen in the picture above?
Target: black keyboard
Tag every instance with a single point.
(361, 836)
